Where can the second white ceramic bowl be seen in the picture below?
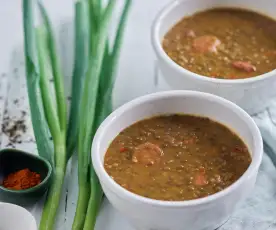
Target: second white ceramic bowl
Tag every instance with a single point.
(253, 94)
(202, 214)
(13, 217)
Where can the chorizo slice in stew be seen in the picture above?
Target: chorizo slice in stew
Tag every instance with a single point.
(147, 154)
(206, 43)
(244, 66)
(200, 178)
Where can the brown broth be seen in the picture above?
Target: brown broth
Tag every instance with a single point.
(244, 36)
(176, 157)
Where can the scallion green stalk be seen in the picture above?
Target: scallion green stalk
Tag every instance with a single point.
(95, 13)
(87, 113)
(111, 58)
(39, 46)
(49, 108)
(101, 108)
(40, 126)
(80, 67)
(56, 69)
(93, 81)
(54, 193)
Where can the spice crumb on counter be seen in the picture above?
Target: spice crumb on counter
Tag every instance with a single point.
(14, 128)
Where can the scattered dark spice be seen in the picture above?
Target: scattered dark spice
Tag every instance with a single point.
(31, 140)
(22, 179)
(14, 128)
(10, 145)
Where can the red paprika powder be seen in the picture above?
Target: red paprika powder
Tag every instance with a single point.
(22, 179)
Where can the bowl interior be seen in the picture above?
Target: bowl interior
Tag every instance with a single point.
(185, 102)
(174, 12)
(14, 160)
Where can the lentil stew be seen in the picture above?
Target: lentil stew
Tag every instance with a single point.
(225, 43)
(176, 157)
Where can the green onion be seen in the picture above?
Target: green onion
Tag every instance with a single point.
(54, 193)
(55, 63)
(40, 127)
(80, 66)
(109, 72)
(49, 108)
(87, 113)
(95, 13)
(96, 105)
(40, 44)
(92, 86)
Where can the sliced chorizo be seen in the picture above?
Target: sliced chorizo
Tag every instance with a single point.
(244, 66)
(206, 43)
(147, 154)
(200, 178)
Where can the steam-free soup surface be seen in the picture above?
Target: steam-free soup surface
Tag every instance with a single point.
(224, 43)
(176, 157)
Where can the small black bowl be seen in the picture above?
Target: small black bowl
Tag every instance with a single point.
(12, 160)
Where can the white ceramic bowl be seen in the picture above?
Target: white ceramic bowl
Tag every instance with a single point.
(201, 214)
(253, 94)
(13, 217)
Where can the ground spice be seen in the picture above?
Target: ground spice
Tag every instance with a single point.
(22, 179)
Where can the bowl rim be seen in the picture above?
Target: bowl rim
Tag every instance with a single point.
(37, 187)
(125, 194)
(157, 47)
